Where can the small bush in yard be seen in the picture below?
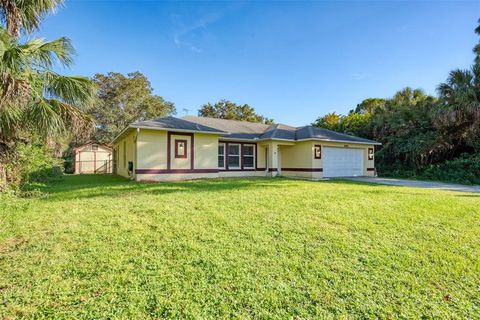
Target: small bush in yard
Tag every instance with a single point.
(32, 162)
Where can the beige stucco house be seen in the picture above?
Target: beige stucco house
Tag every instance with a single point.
(197, 147)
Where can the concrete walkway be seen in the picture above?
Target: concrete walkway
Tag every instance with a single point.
(417, 184)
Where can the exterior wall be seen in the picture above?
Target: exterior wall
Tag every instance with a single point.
(297, 160)
(206, 151)
(174, 176)
(157, 161)
(152, 149)
(125, 152)
(181, 163)
(261, 164)
(251, 173)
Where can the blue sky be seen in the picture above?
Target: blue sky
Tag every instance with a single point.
(291, 61)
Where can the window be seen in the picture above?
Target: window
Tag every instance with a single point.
(221, 155)
(94, 147)
(180, 148)
(318, 151)
(248, 156)
(124, 154)
(370, 153)
(234, 156)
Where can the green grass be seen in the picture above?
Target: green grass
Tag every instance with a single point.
(104, 247)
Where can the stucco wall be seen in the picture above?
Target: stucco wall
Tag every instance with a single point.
(174, 176)
(127, 145)
(299, 155)
(206, 151)
(180, 163)
(232, 174)
(152, 149)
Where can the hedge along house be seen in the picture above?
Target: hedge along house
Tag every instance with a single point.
(198, 147)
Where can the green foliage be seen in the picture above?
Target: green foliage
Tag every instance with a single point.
(26, 15)
(32, 96)
(464, 169)
(370, 105)
(32, 162)
(35, 101)
(123, 100)
(105, 247)
(225, 109)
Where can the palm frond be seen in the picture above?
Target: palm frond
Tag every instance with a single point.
(45, 54)
(26, 15)
(10, 118)
(79, 91)
(42, 116)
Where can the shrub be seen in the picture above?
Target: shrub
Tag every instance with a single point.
(32, 162)
(464, 169)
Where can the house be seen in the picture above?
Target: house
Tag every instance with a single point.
(198, 147)
(92, 158)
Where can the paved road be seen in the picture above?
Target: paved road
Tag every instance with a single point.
(418, 184)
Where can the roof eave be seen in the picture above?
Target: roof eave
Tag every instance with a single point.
(342, 141)
(179, 130)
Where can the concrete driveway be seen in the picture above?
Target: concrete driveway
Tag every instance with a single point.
(417, 184)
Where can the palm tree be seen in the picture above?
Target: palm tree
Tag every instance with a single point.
(35, 100)
(460, 108)
(476, 49)
(25, 15)
(34, 96)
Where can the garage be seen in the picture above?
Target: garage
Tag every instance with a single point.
(342, 162)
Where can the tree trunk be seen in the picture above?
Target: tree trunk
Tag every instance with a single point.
(12, 17)
(3, 177)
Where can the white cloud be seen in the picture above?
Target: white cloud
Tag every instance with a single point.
(186, 33)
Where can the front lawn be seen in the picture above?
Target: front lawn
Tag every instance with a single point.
(104, 247)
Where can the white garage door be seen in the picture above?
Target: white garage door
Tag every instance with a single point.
(342, 162)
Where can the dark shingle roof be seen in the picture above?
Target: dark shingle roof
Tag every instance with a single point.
(279, 131)
(174, 123)
(243, 130)
(311, 132)
(237, 129)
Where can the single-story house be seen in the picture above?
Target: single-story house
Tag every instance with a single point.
(192, 147)
(92, 158)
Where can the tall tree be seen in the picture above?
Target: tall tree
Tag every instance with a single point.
(123, 100)
(330, 121)
(370, 105)
(34, 99)
(459, 112)
(476, 49)
(225, 109)
(25, 15)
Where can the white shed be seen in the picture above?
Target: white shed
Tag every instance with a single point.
(93, 158)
